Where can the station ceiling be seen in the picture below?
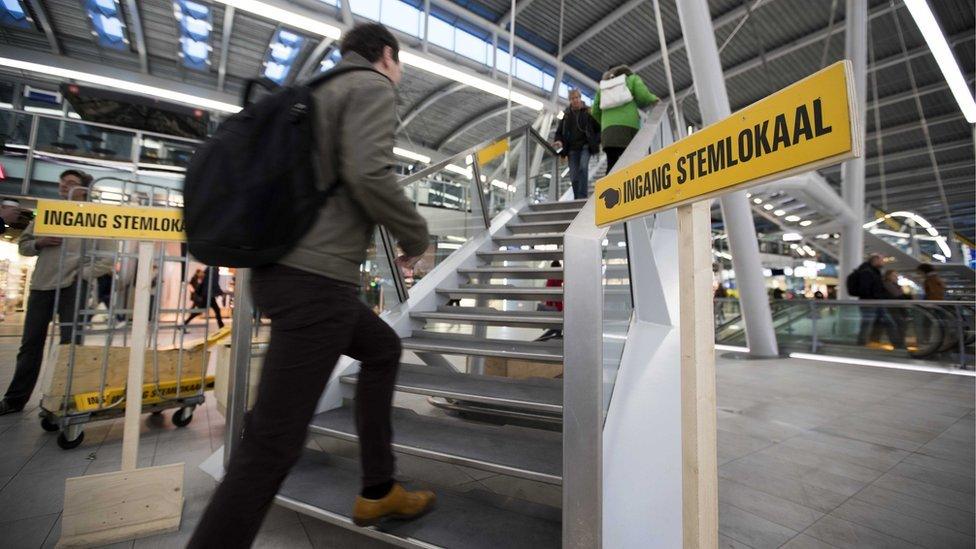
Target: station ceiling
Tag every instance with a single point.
(765, 45)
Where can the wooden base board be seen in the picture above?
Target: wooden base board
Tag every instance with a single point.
(120, 506)
(521, 369)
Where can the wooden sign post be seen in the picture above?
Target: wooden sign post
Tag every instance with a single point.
(807, 125)
(110, 507)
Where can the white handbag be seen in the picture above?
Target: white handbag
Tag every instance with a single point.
(614, 92)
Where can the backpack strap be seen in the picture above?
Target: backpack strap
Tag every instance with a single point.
(324, 77)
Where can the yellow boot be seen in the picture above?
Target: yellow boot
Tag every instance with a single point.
(399, 504)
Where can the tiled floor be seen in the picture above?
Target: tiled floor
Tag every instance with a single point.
(811, 455)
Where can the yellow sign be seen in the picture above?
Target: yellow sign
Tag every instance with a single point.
(91, 220)
(492, 151)
(151, 393)
(799, 128)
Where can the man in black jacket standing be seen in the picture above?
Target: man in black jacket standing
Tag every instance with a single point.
(578, 135)
(870, 285)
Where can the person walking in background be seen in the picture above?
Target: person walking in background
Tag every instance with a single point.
(311, 297)
(202, 285)
(721, 293)
(578, 137)
(55, 282)
(866, 282)
(933, 285)
(616, 106)
(555, 305)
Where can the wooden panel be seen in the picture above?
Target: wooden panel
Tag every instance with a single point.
(698, 415)
(111, 507)
(521, 369)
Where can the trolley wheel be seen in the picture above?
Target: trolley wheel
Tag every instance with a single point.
(183, 416)
(49, 425)
(66, 444)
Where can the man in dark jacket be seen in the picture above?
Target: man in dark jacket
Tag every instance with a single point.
(316, 315)
(870, 285)
(578, 135)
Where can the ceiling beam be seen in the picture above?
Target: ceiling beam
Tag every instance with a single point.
(916, 125)
(920, 172)
(731, 16)
(225, 34)
(40, 13)
(426, 102)
(907, 153)
(470, 123)
(507, 18)
(954, 187)
(138, 35)
(521, 43)
(600, 26)
(313, 60)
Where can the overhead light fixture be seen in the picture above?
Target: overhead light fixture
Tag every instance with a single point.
(411, 155)
(792, 218)
(757, 200)
(935, 38)
(768, 207)
(43, 110)
(119, 84)
(792, 237)
(444, 71)
(806, 223)
(779, 213)
(285, 17)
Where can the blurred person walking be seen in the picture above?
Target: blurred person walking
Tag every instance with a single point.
(311, 297)
(616, 107)
(578, 138)
(55, 283)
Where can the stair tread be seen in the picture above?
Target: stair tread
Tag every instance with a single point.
(527, 453)
(502, 253)
(489, 290)
(530, 350)
(561, 204)
(542, 317)
(535, 394)
(324, 486)
(542, 272)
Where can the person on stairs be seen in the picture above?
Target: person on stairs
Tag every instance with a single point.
(555, 305)
(616, 106)
(311, 297)
(578, 137)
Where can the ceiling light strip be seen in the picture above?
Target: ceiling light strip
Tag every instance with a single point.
(119, 84)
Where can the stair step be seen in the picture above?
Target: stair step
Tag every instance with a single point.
(543, 351)
(528, 319)
(513, 451)
(522, 255)
(514, 272)
(500, 291)
(548, 215)
(559, 205)
(324, 486)
(540, 395)
(538, 227)
(538, 239)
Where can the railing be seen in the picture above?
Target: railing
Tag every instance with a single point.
(942, 332)
(35, 148)
(612, 284)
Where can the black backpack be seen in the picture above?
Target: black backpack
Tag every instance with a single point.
(853, 282)
(252, 190)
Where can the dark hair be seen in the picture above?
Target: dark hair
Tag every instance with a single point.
(368, 40)
(85, 178)
(556, 263)
(926, 268)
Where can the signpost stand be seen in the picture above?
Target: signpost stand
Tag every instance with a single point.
(131, 503)
(699, 449)
(805, 126)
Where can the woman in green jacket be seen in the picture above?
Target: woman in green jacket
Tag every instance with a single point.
(619, 122)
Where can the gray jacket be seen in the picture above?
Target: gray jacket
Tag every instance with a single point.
(355, 125)
(46, 275)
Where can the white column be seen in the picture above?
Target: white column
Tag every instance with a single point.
(852, 171)
(713, 101)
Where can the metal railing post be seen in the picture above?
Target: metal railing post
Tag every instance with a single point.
(238, 379)
(389, 248)
(814, 339)
(527, 162)
(29, 163)
(480, 191)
